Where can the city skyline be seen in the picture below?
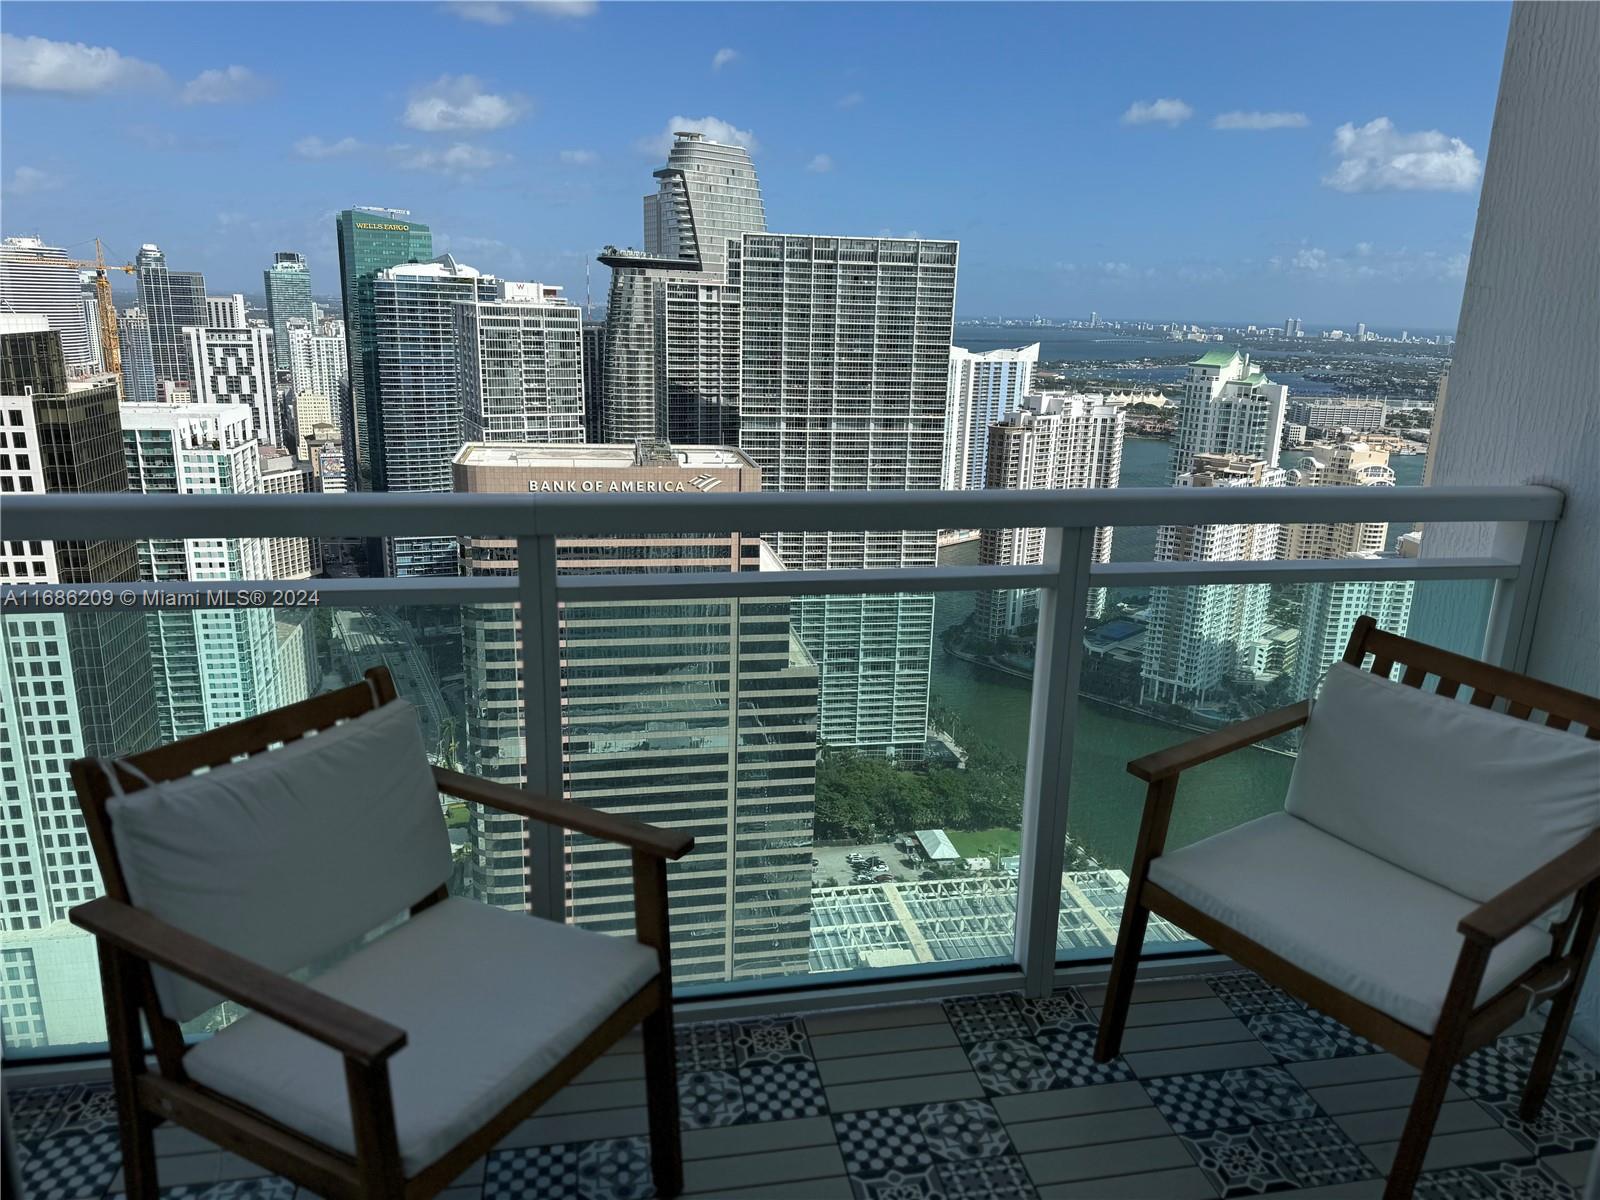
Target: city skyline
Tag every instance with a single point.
(1331, 229)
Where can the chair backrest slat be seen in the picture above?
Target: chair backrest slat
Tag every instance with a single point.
(1523, 695)
(1414, 676)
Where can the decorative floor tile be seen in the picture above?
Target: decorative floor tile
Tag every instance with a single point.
(1200, 1102)
(986, 1018)
(782, 1091)
(709, 1099)
(707, 1046)
(962, 1130)
(1316, 1153)
(987, 1179)
(66, 1108)
(1570, 1119)
(1248, 994)
(1011, 1066)
(266, 1187)
(1501, 1069)
(773, 1040)
(1269, 1094)
(1303, 1035)
(1071, 1056)
(1238, 1163)
(65, 1167)
(1058, 1013)
(920, 1184)
(549, 1172)
(1195, 1103)
(615, 1169)
(877, 1141)
(1503, 1181)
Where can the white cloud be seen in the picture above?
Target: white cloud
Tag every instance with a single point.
(455, 102)
(1367, 263)
(503, 12)
(1260, 120)
(229, 85)
(36, 64)
(459, 158)
(850, 99)
(723, 57)
(580, 158)
(715, 128)
(316, 147)
(30, 181)
(820, 164)
(1153, 112)
(1310, 259)
(1377, 157)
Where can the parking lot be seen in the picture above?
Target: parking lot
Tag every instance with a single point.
(833, 862)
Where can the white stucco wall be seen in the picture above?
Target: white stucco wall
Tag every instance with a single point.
(1524, 395)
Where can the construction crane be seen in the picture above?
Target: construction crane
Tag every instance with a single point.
(110, 345)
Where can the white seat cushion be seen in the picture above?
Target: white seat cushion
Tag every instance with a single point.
(490, 1000)
(1347, 917)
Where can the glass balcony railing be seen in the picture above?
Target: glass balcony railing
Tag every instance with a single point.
(892, 773)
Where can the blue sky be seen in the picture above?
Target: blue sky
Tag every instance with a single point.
(1193, 161)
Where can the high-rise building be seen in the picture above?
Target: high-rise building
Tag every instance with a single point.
(707, 193)
(984, 387)
(138, 357)
(415, 392)
(1048, 441)
(210, 666)
(72, 684)
(170, 301)
(227, 312)
(281, 475)
(845, 367)
(36, 278)
(90, 299)
(670, 360)
(1328, 610)
(1200, 637)
(696, 715)
(287, 283)
(234, 366)
(1228, 407)
(311, 409)
(318, 361)
(594, 350)
(325, 453)
(521, 366)
(1342, 464)
(370, 240)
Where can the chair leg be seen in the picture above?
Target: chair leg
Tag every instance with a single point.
(661, 1097)
(1119, 988)
(1549, 1052)
(1418, 1132)
(137, 1129)
(135, 1126)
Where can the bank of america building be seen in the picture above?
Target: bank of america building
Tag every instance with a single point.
(697, 715)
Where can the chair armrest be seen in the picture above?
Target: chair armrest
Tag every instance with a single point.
(663, 843)
(1164, 764)
(1534, 894)
(353, 1033)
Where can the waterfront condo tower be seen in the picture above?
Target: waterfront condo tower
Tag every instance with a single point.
(521, 366)
(370, 240)
(845, 364)
(984, 387)
(1228, 407)
(707, 193)
(35, 278)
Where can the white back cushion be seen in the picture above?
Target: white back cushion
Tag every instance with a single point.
(292, 854)
(1467, 798)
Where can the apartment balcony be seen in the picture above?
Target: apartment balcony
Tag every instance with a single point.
(841, 1033)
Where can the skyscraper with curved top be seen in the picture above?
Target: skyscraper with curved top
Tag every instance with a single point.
(708, 192)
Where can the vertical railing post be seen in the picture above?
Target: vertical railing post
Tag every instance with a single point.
(541, 718)
(1058, 655)
(1508, 634)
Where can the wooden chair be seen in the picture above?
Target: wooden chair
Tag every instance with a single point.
(329, 1056)
(1529, 937)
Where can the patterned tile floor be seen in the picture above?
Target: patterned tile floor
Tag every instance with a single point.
(1227, 1087)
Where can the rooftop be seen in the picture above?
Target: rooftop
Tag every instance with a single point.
(581, 456)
